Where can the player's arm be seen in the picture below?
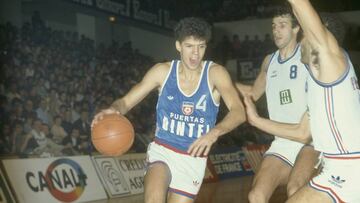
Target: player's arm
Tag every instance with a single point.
(152, 79)
(331, 61)
(222, 83)
(297, 132)
(258, 88)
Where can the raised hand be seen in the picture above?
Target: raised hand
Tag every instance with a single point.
(251, 111)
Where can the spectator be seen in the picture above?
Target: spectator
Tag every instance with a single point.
(72, 143)
(236, 46)
(83, 123)
(224, 47)
(5, 142)
(36, 138)
(66, 121)
(246, 46)
(57, 130)
(28, 108)
(13, 92)
(75, 112)
(17, 137)
(43, 112)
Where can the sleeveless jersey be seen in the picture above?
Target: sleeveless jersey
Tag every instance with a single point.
(285, 88)
(181, 118)
(334, 110)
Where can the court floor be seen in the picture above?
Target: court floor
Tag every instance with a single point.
(227, 191)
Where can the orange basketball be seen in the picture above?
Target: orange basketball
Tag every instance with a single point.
(112, 135)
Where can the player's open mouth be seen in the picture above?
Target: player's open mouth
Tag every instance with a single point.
(193, 61)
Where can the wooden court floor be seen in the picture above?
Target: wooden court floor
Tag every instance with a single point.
(227, 191)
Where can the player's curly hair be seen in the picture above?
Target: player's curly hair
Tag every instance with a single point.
(335, 25)
(191, 26)
(283, 10)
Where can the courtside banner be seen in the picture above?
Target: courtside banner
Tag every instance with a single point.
(210, 173)
(122, 175)
(230, 162)
(64, 179)
(248, 69)
(113, 178)
(5, 192)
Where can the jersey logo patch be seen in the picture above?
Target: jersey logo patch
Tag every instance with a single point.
(285, 97)
(196, 183)
(337, 181)
(187, 108)
(273, 74)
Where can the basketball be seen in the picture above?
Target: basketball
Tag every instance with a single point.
(112, 135)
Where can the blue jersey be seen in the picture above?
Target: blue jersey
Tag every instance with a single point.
(182, 118)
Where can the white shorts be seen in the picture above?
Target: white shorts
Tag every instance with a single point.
(285, 149)
(187, 172)
(340, 178)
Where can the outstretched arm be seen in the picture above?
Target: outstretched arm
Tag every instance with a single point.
(258, 88)
(152, 80)
(331, 60)
(297, 132)
(223, 85)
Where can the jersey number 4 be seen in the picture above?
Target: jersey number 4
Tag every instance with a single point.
(201, 104)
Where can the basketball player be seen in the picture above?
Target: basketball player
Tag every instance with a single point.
(333, 116)
(189, 98)
(283, 77)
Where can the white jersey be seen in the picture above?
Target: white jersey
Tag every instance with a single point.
(285, 88)
(335, 114)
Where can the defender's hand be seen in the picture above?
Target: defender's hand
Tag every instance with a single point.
(251, 111)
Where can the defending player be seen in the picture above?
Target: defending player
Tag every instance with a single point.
(333, 113)
(283, 76)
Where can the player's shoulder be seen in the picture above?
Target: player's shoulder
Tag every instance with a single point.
(161, 68)
(218, 73)
(164, 66)
(267, 58)
(215, 68)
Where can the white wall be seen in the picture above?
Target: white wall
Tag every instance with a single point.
(242, 28)
(85, 25)
(159, 46)
(57, 15)
(103, 31)
(121, 32)
(262, 26)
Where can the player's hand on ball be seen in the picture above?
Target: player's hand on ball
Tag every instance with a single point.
(202, 146)
(101, 114)
(251, 111)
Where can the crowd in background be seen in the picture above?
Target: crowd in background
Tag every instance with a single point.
(252, 47)
(53, 82)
